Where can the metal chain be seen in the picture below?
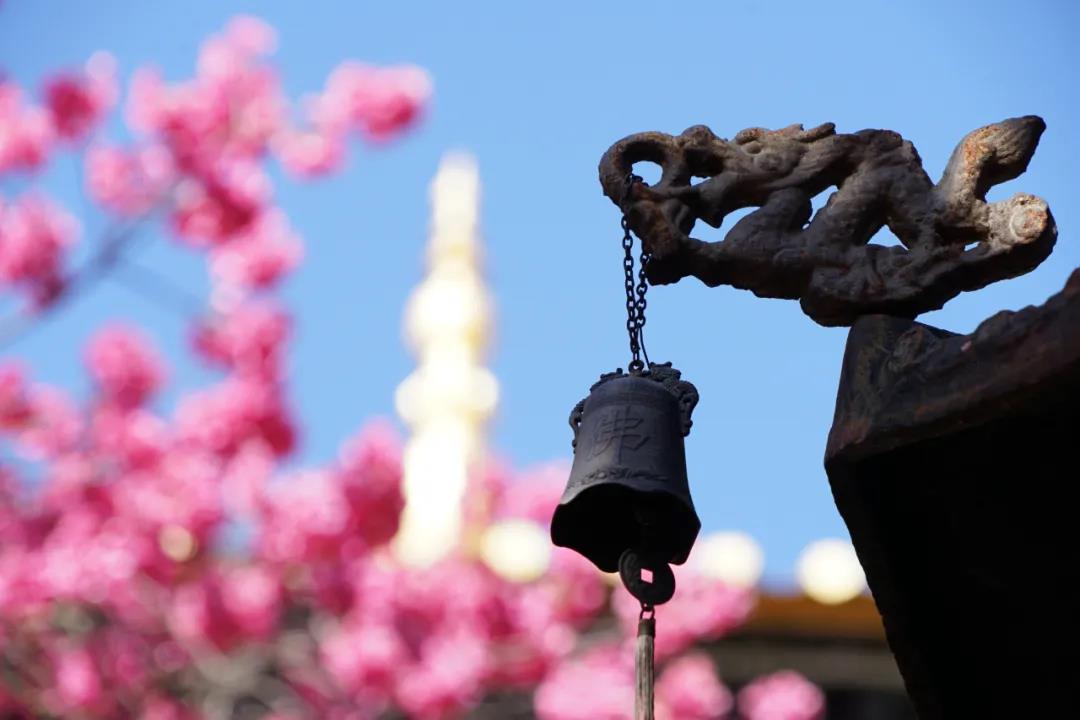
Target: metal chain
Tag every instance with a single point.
(635, 289)
(643, 286)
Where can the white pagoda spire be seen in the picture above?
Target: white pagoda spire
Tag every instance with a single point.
(450, 397)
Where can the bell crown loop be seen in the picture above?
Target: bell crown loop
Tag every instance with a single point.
(663, 373)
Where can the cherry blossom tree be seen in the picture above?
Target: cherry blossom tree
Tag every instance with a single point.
(118, 598)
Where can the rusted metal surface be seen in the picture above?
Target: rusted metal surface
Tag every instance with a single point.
(953, 240)
(953, 460)
(904, 381)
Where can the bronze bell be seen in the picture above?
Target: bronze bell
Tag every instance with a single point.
(628, 488)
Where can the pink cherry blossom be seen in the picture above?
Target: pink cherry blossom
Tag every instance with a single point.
(77, 101)
(26, 133)
(579, 590)
(54, 426)
(252, 595)
(69, 480)
(78, 681)
(363, 657)
(198, 616)
(329, 586)
(224, 417)
(220, 204)
(224, 609)
(134, 438)
(245, 476)
(251, 35)
(181, 491)
(599, 685)
(305, 517)
(230, 110)
(449, 677)
(183, 118)
(34, 233)
(15, 408)
(260, 256)
(785, 695)
(452, 592)
(125, 366)
(310, 153)
(530, 640)
(379, 102)
(128, 182)
(371, 474)
(249, 339)
(689, 689)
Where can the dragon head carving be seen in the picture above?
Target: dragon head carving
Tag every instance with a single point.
(953, 240)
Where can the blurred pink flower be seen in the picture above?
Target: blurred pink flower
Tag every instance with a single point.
(689, 689)
(454, 592)
(72, 479)
(124, 365)
(135, 438)
(449, 677)
(226, 608)
(379, 102)
(55, 424)
(230, 110)
(225, 417)
(197, 615)
(251, 35)
(220, 204)
(245, 478)
(78, 101)
(580, 592)
(34, 232)
(78, 681)
(182, 492)
(26, 133)
(330, 584)
(310, 153)
(260, 256)
(531, 640)
(15, 409)
(364, 658)
(305, 516)
(599, 685)
(248, 339)
(184, 118)
(785, 695)
(370, 473)
(128, 182)
(253, 597)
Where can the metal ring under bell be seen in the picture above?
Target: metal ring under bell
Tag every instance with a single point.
(655, 592)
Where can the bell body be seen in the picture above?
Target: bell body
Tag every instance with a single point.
(628, 487)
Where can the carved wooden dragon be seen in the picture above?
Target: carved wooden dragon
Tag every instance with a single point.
(953, 240)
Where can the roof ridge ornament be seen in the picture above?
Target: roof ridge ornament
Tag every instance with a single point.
(953, 240)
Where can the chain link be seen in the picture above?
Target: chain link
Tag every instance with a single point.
(635, 288)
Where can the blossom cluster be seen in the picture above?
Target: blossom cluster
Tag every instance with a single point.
(162, 564)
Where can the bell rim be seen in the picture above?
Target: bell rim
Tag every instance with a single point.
(563, 515)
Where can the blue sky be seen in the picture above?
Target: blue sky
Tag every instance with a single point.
(538, 92)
